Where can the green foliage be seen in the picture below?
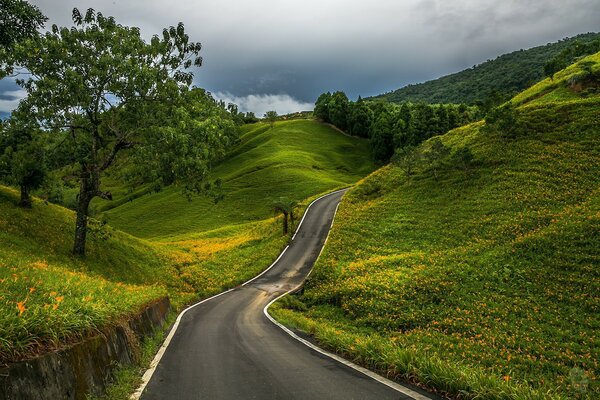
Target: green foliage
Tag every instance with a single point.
(381, 134)
(463, 158)
(407, 158)
(503, 120)
(436, 156)
(359, 119)
(19, 21)
(271, 117)
(338, 110)
(569, 55)
(391, 126)
(321, 111)
(23, 159)
(195, 133)
(506, 76)
(286, 207)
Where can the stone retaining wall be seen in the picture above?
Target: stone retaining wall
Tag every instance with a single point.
(84, 368)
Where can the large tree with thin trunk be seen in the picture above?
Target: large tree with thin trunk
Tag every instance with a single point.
(113, 91)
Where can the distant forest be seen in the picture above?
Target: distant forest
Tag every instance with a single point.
(498, 79)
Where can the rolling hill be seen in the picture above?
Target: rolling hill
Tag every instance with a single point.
(295, 159)
(198, 248)
(485, 282)
(506, 76)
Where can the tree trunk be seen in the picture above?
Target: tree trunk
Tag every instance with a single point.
(81, 223)
(285, 223)
(25, 201)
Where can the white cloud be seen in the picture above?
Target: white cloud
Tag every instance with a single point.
(259, 104)
(10, 100)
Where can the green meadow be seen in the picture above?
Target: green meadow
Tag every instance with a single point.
(483, 283)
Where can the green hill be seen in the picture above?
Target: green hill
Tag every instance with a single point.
(484, 283)
(48, 297)
(507, 75)
(295, 159)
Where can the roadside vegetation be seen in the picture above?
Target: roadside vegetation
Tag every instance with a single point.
(476, 274)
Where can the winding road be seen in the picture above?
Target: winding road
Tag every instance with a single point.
(227, 347)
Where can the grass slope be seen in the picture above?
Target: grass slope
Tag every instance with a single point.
(49, 298)
(507, 74)
(295, 159)
(479, 285)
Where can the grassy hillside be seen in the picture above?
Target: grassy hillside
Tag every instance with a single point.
(295, 159)
(484, 283)
(506, 75)
(48, 297)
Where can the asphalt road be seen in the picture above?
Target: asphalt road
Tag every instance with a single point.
(226, 348)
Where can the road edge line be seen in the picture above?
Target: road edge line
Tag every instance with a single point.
(159, 354)
(385, 381)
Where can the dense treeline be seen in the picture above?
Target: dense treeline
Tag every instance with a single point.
(391, 126)
(569, 55)
(500, 78)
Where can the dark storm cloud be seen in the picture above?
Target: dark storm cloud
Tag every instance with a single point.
(300, 49)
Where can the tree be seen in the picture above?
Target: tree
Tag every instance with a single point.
(338, 110)
(503, 120)
(111, 90)
(463, 158)
(22, 156)
(321, 110)
(271, 117)
(382, 138)
(250, 118)
(19, 20)
(407, 158)
(360, 119)
(286, 207)
(436, 156)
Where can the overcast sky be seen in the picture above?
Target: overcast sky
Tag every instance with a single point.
(281, 54)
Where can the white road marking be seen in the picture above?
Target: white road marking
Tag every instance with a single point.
(150, 371)
(391, 384)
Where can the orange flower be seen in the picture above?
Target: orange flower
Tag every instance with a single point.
(21, 307)
(31, 289)
(506, 378)
(59, 299)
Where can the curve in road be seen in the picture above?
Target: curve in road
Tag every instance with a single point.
(226, 347)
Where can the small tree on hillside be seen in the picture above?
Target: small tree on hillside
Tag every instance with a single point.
(111, 91)
(271, 117)
(321, 111)
(22, 155)
(463, 158)
(503, 120)
(407, 158)
(286, 207)
(436, 156)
